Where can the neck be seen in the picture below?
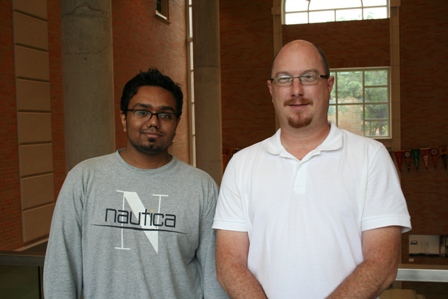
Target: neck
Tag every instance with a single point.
(143, 160)
(299, 142)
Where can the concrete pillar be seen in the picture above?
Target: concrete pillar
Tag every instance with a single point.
(207, 87)
(87, 70)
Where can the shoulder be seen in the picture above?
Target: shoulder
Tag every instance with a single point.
(359, 149)
(96, 163)
(188, 171)
(354, 140)
(254, 150)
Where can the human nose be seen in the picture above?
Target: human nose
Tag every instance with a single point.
(153, 121)
(296, 86)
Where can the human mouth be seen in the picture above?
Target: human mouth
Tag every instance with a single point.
(296, 103)
(152, 134)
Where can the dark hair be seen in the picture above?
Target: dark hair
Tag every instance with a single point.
(321, 54)
(324, 60)
(153, 77)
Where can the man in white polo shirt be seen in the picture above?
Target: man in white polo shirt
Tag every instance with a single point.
(313, 211)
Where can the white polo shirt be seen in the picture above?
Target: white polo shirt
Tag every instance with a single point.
(305, 218)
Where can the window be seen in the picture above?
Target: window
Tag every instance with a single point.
(162, 8)
(190, 64)
(320, 11)
(360, 101)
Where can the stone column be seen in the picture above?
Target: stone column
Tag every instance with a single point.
(207, 87)
(87, 70)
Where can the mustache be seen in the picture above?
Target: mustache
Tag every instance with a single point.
(297, 102)
(152, 130)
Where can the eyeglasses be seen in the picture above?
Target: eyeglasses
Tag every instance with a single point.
(305, 79)
(146, 115)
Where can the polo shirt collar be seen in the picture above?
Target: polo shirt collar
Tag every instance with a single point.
(333, 142)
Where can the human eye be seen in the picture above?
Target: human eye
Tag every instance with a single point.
(141, 113)
(284, 79)
(308, 77)
(166, 116)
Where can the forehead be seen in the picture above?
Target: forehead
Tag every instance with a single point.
(153, 96)
(297, 58)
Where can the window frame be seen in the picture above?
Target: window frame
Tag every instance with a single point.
(190, 81)
(334, 101)
(306, 13)
(162, 9)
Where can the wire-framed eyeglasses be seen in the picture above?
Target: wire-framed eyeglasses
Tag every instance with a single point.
(305, 79)
(145, 115)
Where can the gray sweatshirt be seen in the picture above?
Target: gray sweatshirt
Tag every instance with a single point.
(123, 232)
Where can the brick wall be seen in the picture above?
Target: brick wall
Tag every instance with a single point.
(10, 212)
(142, 40)
(246, 56)
(345, 43)
(424, 111)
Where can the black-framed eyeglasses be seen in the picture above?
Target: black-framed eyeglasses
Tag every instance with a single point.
(305, 79)
(145, 115)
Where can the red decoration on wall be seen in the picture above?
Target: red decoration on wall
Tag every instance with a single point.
(399, 158)
(407, 159)
(425, 155)
(434, 152)
(413, 156)
(442, 151)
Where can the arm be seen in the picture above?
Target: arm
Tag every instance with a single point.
(381, 250)
(206, 250)
(232, 248)
(63, 259)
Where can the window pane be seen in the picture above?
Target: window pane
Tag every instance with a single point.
(322, 16)
(350, 118)
(348, 14)
(376, 95)
(349, 87)
(322, 11)
(360, 101)
(192, 86)
(374, 2)
(331, 4)
(190, 21)
(294, 5)
(191, 55)
(296, 18)
(376, 128)
(333, 96)
(332, 113)
(376, 77)
(333, 91)
(377, 111)
(375, 13)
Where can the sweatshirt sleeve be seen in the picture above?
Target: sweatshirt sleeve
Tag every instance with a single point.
(63, 260)
(206, 249)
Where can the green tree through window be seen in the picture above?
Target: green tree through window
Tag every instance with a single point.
(360, 101)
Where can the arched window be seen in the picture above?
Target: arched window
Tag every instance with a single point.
(321, 11)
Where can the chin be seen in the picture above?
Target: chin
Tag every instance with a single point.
(298, 123)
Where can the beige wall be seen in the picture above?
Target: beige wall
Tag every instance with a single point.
(33, 117)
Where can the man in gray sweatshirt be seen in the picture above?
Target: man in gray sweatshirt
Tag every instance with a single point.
(136, 223)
